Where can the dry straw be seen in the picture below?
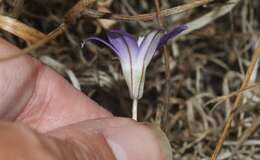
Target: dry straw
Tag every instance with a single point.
(36, 39)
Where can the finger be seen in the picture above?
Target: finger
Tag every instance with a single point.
(36, 95)
(55, 103)
(17, 81)
(127, 138)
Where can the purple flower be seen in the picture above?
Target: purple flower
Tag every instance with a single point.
(135, 55)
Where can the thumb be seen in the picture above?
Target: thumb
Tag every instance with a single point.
(103, 139)
(19, 142)
(122, 137)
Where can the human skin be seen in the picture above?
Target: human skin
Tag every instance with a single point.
(42, 117)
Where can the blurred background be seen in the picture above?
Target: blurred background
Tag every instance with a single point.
(208, 61)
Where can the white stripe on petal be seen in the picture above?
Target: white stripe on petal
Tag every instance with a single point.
(128, 50)
(149, 46)
(147, 49)
(140, 40)
(127, 72)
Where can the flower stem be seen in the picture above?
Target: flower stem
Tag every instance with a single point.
(134, 109)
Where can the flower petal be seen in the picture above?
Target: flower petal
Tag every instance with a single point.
(148, 46)
(128, 51)
(97, 39)
(172, 34)
(140, 40)
(139, 78)
(124, 42)
(146, 51)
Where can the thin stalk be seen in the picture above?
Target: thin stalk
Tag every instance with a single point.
(165, 109)
(134, 109)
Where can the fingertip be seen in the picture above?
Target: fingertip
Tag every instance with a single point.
(17, 80)
(164, 143)
(6, 48)
(139, 141)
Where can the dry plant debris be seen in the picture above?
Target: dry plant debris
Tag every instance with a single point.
(207, 63)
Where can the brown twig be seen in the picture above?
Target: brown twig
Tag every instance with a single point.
(148, 16)
(160, 107)
(77, 9)
(20, 29)
(236, 103)
(158, 13)
(52, 35)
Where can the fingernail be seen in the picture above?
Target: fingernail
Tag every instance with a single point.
(138, 141)
(118, 151)
(166, 149)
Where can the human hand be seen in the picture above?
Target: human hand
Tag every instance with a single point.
(43, 117)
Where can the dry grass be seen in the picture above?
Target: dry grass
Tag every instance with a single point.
(208, 61)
